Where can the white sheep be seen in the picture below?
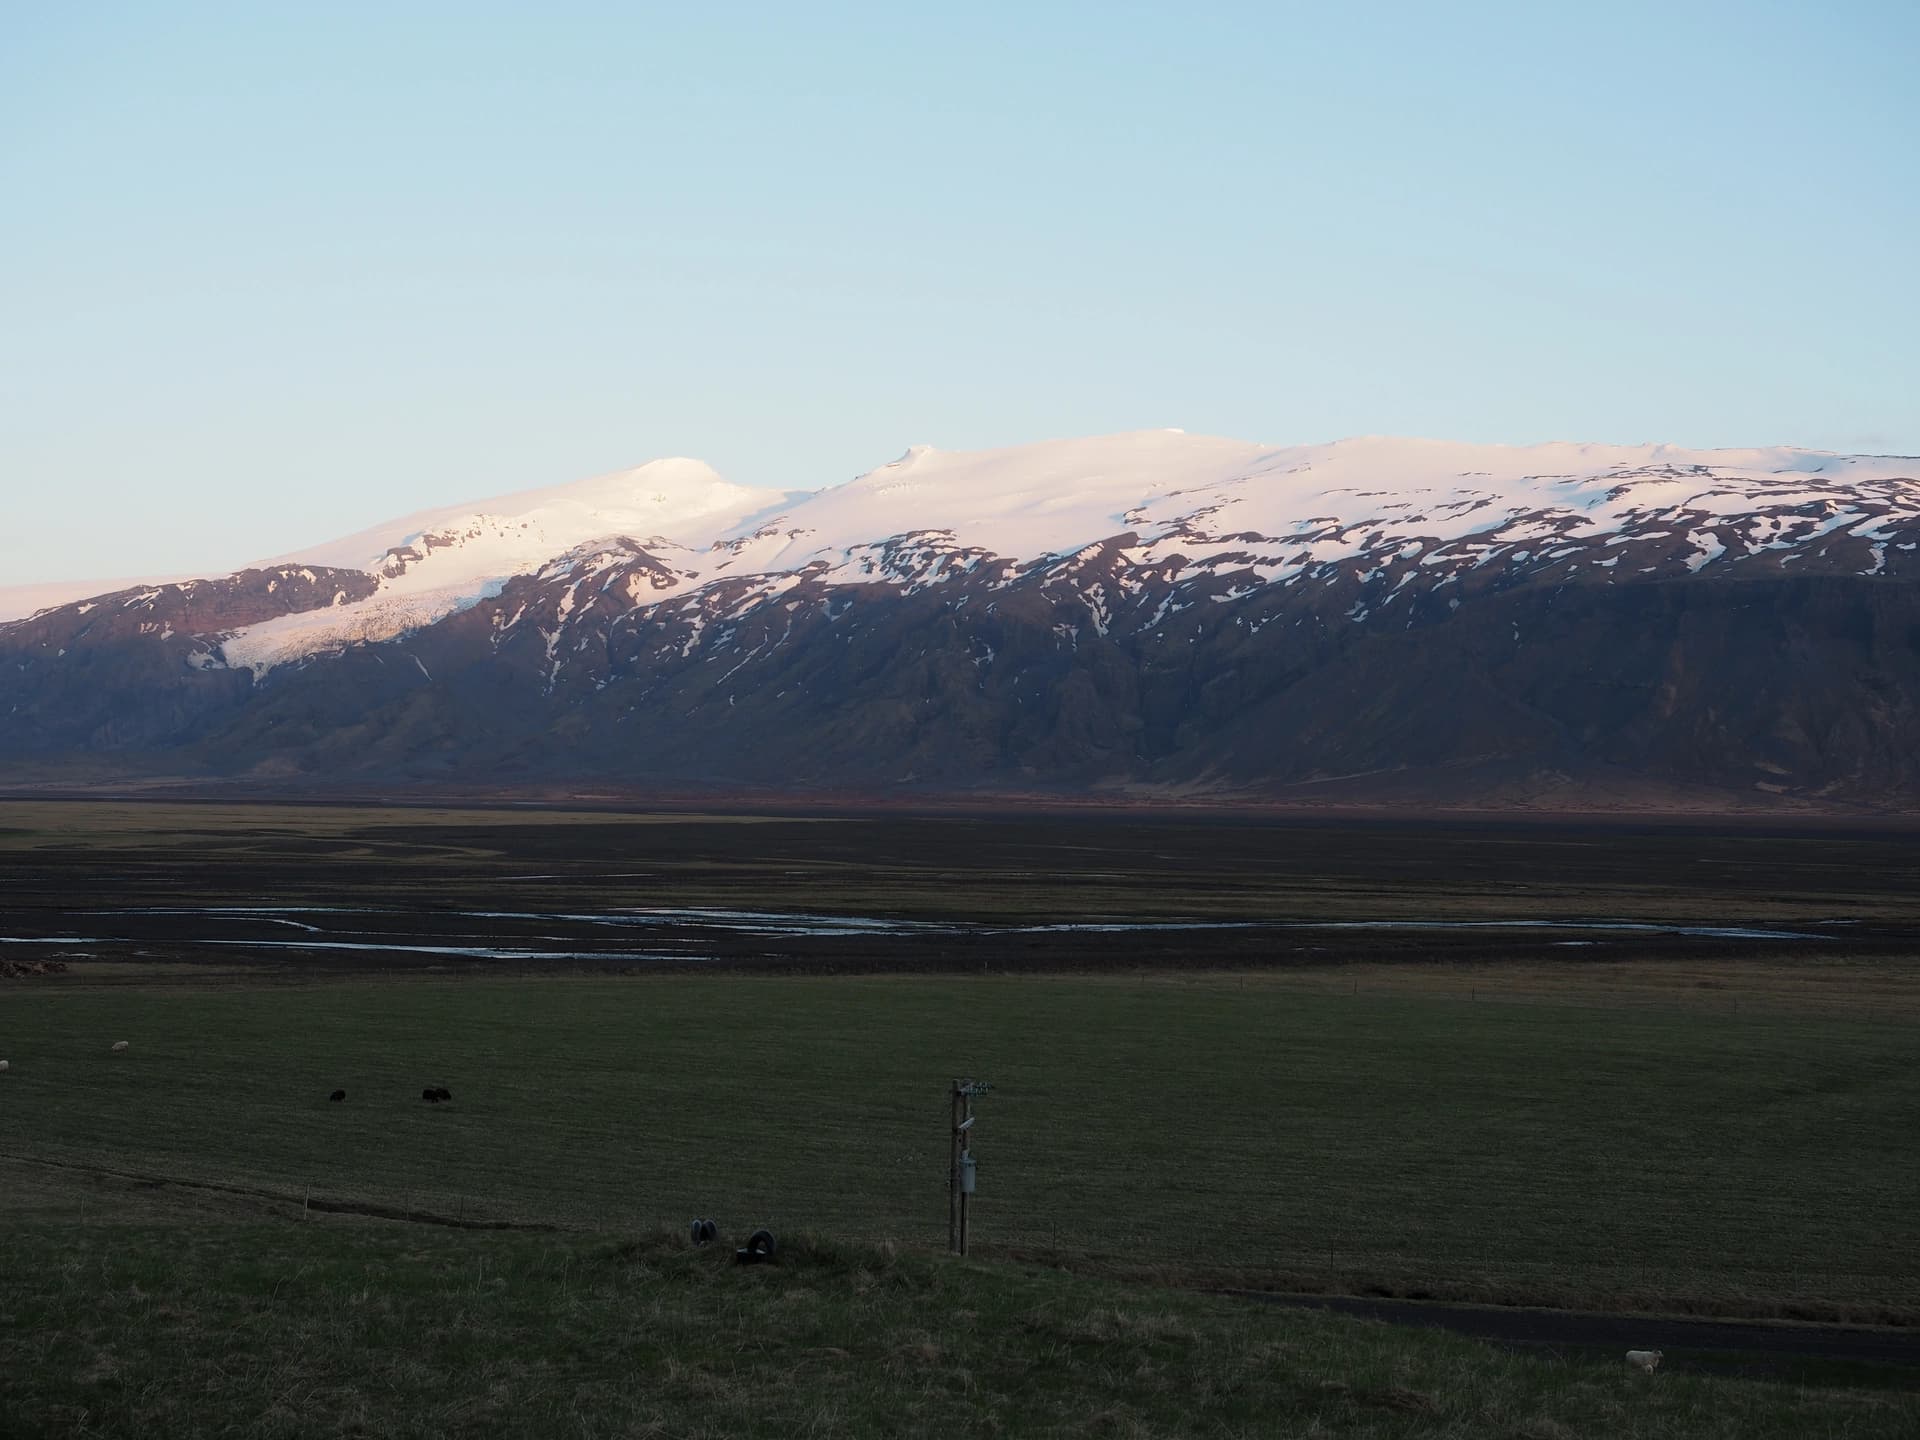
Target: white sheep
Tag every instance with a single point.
(1647, 1360)
(3, 1067)
(118, 1046)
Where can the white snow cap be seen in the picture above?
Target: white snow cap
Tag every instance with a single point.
(463, 553)
(675, 499)
(1057, 496)
(1280, 509)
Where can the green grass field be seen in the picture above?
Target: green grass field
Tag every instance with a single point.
(338, 1328)
(190, 1234)
(1616, 1142)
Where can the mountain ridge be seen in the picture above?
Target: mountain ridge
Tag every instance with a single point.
(617, 512)
(1151, 610)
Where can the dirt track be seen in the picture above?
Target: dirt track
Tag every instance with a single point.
(1745, 1346)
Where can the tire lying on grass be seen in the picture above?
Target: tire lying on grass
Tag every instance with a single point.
(759, 1249)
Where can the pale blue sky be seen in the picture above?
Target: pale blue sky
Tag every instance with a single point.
(271, 273)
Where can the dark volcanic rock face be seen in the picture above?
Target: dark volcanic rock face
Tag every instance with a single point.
(138, 670)
(1776, 684)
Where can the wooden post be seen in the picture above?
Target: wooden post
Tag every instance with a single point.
(966, 1200)
(958, 1201)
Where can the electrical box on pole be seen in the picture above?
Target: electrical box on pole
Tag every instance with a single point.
(960, 1166)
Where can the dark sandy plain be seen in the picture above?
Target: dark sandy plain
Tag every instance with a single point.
(310, 888)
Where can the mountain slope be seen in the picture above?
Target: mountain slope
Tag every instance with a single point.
(436, 562)
(1158, 612)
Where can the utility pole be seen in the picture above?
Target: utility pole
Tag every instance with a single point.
(960, 1163)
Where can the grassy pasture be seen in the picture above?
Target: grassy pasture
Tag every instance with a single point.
(1618, 1136)
(1699, 1129)
(306, 1332)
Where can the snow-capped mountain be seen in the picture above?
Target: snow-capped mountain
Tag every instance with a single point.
(1152, 608)
(431, 564)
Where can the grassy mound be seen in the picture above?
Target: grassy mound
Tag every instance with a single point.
(349, 1328)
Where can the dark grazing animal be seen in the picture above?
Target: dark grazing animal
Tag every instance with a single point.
(445, 1094)
(434, 1094)
(338, 1095)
